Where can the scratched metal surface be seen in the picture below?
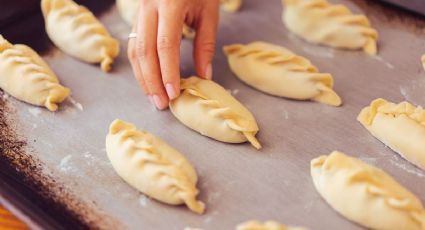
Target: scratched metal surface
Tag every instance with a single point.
(237, 182)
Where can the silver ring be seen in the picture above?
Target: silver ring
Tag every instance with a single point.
(132, 35)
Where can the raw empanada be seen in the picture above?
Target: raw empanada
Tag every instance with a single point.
(26, 76)
(268, 225)
(399, 126)
(208, 108)
(128, 11)
(231, 5)
(152, 166)
(318, 21)
(365, 194)
(76, 31)
(277, 71)
(188, 32)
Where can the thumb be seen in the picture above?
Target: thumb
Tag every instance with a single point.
(205, 41)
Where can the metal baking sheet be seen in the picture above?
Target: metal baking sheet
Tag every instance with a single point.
(237, 182)
(417, 6)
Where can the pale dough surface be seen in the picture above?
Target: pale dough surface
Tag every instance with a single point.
(365, 194)
(399, 126)
(152, 166)
(128, 10)
(277, 71)
(268, 225)
(77, 32)
(209, 109)
(231, 5)
(27, 77)
(321, 22)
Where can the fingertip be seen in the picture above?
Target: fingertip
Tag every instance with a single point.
(173, 91)
(208, 72)
(160, 103)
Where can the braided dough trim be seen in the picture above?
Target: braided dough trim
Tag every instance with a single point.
(367, 115)
(343, 15)
(366, 174)
(83, 16)
(144, 153)
(292, 63)
(36, 72)
(233, 120)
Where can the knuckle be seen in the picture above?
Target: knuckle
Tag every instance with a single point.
(208, 46)
(131, 54)
(141, 49)
(165, 43)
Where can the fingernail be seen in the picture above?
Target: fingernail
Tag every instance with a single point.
(151, 100)
(158, 103)
(208, 72)
(171, 91)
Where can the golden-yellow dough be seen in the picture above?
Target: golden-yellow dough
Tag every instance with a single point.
(27, 77)
(128, 10)
(276, 70)
(231, 5)
(152, 166)
(320, 22)
(365, 194)
(209, 109)
(77, 32)
(188, 32)
(268, 225)
(399, 126)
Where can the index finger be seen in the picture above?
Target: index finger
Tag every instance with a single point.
(170, 24)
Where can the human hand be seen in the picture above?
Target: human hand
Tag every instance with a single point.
(155, 52)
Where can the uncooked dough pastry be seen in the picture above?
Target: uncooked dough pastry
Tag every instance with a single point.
(268, 225)
(128, 11)
(365, 194)
(27, 77)
(77, 32)
(152, 166)
(277, 71)
(188, 32)
(318, 21)
(399, 126)
(231, 5)
(208, 108)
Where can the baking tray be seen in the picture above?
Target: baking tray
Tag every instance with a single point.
(63, 179)
(417, 6)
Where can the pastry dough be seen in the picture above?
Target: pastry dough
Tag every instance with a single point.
(401, 127)
(209, 109)
(188, 32)
(268, 225)
(365, 194)
(318, 21)
(76, 31)
(231, 5)
(277, 71)
(152, 166)
(26, 76)
(128, 11)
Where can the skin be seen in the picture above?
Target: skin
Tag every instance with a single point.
(155, 52)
